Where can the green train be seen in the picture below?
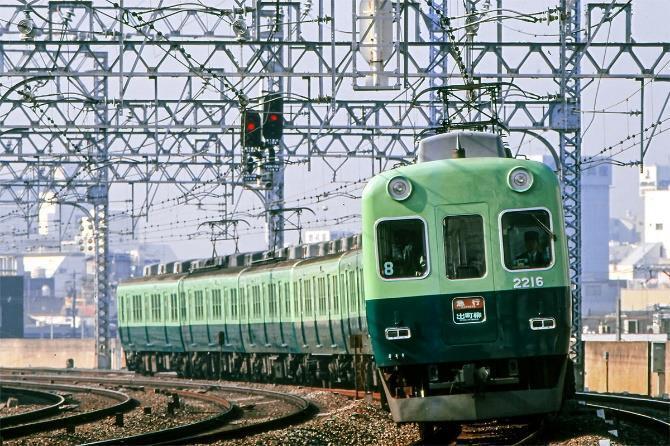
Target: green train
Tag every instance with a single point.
(455, 301)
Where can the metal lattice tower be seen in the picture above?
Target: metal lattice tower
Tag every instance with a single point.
(568, 124)
(101, 100)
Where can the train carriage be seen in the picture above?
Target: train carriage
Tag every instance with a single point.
(466, 277)
(459, 296)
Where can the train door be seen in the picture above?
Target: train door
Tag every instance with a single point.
(146, 316)
(181, 322)
(464, 242)
(165, 313)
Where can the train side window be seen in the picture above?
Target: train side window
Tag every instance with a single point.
(401, 248)
(527, 239)
(464, 246)
(307, 294)
(216, 304)
(155, 307)
(199, 306)
(256, 301)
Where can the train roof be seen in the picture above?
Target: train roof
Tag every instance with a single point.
(253, 261)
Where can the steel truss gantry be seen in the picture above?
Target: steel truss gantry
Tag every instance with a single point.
(103, 94)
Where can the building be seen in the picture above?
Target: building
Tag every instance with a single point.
(325, 235)
(11, 307)
(599, 294)
(655, 191)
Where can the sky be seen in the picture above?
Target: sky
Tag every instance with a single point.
(601, 130)
(304, 182)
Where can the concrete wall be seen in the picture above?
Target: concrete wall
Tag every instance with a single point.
(626, 370)
(53, 353)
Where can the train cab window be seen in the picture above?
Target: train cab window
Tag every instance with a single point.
(401, 248)
(527, 239)
(464, 246)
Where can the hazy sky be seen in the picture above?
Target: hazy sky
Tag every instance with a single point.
(601, 130)
(619, 97)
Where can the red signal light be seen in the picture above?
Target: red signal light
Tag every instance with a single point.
(273, 117)
(251, 126)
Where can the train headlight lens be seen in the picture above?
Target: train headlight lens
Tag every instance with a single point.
(399, 188)
(520, 179)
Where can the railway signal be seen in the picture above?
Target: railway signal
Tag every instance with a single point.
(251, 129)
(273, 112)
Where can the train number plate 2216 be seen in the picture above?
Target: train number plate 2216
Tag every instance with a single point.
(468, 310)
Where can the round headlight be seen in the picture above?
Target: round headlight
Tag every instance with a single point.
(399, 188)
(520, 179)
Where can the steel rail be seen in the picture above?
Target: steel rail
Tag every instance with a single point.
(124, 405)
(193, 432)
(54, 403)
(605, 401)
(175, 434)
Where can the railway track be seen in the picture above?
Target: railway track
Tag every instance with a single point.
(48, 404)
(251, 412)
(650, 412)
(34, 421)
(241, 411)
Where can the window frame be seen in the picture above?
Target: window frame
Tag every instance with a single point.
(426, 246)
(502, 246)
(486, 244)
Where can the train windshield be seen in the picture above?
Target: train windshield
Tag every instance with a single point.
(527, 237)
(401, 248)
(464, 247)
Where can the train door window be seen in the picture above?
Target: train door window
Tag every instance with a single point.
(527, 239)
(297, 297)
(343, 287)
(336, 294)
(322, 296)
(243, 303)
(182, 305)
(216, 304)
(226, 303)
(464, 246)
(272, 300)
(233, 303)
(361, 297)
(174, 307)
(199, 305)
(287, 299)
(352, 292)
(401, 248)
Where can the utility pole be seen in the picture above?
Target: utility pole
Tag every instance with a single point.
(73, 295)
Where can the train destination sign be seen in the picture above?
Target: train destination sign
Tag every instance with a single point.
(468, 310)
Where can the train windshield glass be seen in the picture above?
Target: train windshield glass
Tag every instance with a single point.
(401, 248)
(526, 236)
(464, 247)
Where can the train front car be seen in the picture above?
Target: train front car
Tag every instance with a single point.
(466, 283)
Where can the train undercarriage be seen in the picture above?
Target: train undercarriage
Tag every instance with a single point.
(346, 371)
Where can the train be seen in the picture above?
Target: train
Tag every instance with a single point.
(454, 301)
